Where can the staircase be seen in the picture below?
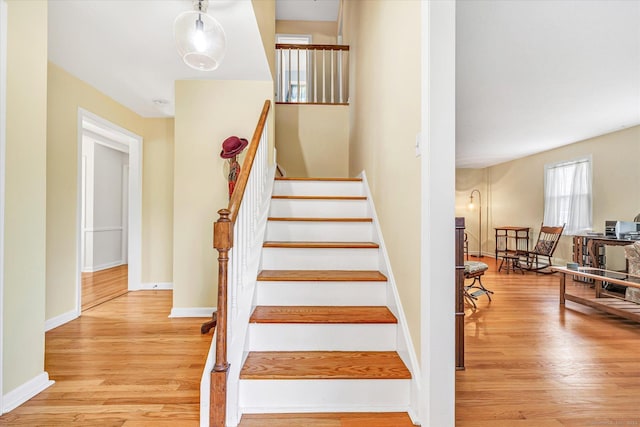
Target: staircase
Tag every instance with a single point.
(323, 336)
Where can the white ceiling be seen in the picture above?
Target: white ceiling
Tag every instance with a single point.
(531, 75)
(126, 49)
(535, 75)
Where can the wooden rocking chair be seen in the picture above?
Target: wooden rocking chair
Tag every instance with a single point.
(539, 258)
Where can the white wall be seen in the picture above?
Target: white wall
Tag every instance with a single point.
(104, 228)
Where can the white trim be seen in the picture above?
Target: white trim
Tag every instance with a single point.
(192, 312)
(437, 299)
(160, 286)
(60, 320)
(26, 391)
(134, 235)
(3, 127)
(405, 347)
(101, 140)
(102, 229)
(104, 266)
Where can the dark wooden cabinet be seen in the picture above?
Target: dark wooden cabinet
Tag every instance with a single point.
(459, 290)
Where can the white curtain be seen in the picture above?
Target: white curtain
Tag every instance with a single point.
(567, 196)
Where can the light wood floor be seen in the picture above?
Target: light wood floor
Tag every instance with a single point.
(122, 363)
(104, 285)
(529, 363)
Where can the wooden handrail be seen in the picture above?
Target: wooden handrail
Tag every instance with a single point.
(312, 46)
(241, 183)
(223, 231)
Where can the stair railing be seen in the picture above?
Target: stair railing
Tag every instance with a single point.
(233, 238)
(312, 73)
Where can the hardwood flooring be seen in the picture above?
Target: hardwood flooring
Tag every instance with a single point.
(531, 363)
(104, 285)
(122, 363)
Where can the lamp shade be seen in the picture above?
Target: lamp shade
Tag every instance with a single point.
(200, 40)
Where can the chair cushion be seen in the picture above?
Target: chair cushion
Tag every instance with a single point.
(543, 247)
(474, 266)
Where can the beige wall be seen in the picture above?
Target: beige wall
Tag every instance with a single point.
(157, 201)
(265, 11)
(515, 190)
(66, 94)
(25, 194)
(313, 140)
(386, 108)
(207, 112)
(322, 32)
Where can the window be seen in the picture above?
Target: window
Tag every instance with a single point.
(293, 69)
(567, 195)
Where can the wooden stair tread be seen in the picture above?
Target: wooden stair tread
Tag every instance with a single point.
(305, 365)
(322, 245)
(287, 178)
(322, 314)
(320, 219)
(328, 419)
(321, 276)
(320, 197)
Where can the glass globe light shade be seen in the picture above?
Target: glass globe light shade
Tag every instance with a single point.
(200, 40)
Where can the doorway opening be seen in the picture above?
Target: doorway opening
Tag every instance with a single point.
(109, 205)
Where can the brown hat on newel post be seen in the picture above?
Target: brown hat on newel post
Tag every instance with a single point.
(232, 146)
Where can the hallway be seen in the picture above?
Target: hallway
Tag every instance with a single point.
(122, 363)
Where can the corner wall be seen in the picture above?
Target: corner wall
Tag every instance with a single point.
(207, 112)
(515, 189)
(66, 94)
(385, 119)
(313, 140)
(25, 198)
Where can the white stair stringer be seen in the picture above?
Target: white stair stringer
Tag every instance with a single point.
(263, 395)
(405, 347)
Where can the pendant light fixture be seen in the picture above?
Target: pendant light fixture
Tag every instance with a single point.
(200, 39)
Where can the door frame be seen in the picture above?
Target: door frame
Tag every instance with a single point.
(134, 231)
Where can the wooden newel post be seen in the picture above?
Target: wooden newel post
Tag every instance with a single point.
(223, 242)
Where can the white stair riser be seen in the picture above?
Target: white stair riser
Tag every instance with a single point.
(306, 231)
(279, 396)
(288, 208)
(319, 259)
(322, 293)
(322, 337)
(318, 188)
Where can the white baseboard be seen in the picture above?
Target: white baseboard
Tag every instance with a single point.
(192, 312)
(60, 320)
(26, 391)
(105, 266)
(156, 286)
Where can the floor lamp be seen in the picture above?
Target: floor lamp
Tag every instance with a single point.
(471, 205)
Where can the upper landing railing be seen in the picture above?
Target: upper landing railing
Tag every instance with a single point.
(312, 74)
